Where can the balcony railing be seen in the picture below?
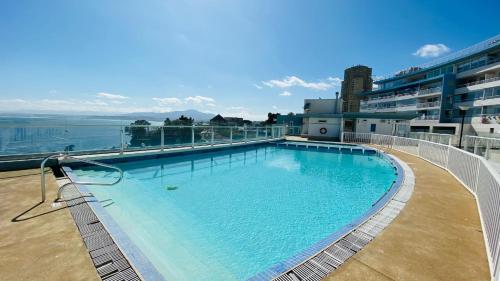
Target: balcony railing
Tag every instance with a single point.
(428, 117)
(428, 104)
(429, 91)
(479, 82)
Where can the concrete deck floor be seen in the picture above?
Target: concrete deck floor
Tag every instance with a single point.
(437, 236)
(38, 242)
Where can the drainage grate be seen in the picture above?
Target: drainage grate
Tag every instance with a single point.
(109, 261)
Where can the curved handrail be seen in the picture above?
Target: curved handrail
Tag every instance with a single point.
(42, 167)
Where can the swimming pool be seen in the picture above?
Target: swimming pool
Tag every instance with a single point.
(230, 214)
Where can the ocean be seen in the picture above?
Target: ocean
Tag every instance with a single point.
(32, 134)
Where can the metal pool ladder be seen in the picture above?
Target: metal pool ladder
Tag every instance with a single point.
(63, 157)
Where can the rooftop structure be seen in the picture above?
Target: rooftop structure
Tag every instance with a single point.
(357, 79)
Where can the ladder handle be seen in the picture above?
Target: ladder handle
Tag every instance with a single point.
(42, 168)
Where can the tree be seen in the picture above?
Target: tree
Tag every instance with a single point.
(271, 118)
(138, 132)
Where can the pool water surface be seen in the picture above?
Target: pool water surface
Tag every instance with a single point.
(231, 214)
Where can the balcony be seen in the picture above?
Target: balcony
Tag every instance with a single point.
(428, 104)
(479, 82)
(429, 92)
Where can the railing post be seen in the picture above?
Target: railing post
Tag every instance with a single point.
(212, 137)
(121, 141)
(192, 136)
(475, 146)
(231, 135)
(162, 138)
(266, 131)
(257, 133)
(341, 136)
(245, 133)
(272, 132)
(487, 152)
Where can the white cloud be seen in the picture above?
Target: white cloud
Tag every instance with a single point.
(274, 107)
(294, 81)
(112, 96)
(72, 106)
(168, 101)
(236, 108)
(257, 86)
(286, 94)
(199, 100)
(432, 50)
(335, 81)
(243, 112)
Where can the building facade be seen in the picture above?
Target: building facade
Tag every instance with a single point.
(466, 82)
(357, 79)
(324, 119)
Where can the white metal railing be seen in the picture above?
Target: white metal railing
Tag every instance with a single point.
(434, 137)
(39, 141)
(489, 148)
(473, 171)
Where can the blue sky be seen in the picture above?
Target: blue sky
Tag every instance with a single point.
(241, 58)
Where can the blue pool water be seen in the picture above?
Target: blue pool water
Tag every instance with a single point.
(231, 214)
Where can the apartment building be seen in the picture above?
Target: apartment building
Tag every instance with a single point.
(440, 92)
(357, 79)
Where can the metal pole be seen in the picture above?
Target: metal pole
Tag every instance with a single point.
(266, 131)
(162, 144)
(121, 141)
(256, 133)
(192, 136)
(212, 140)
(245, 129)
(487, 152)
(231, 135)
(461, 129)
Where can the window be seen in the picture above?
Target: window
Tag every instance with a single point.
(373, 128)
(492, 130)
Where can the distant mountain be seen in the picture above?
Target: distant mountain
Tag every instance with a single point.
(154, 116)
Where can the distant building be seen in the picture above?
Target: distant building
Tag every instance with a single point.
(324, 119)
(357, 79)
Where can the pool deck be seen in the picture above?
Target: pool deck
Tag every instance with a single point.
(437, 236)
(38, 242)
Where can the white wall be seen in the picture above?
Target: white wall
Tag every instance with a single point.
(383, 126)
(321, 105)
(332, 126)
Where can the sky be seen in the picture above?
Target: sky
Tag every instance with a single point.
(237, 58)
